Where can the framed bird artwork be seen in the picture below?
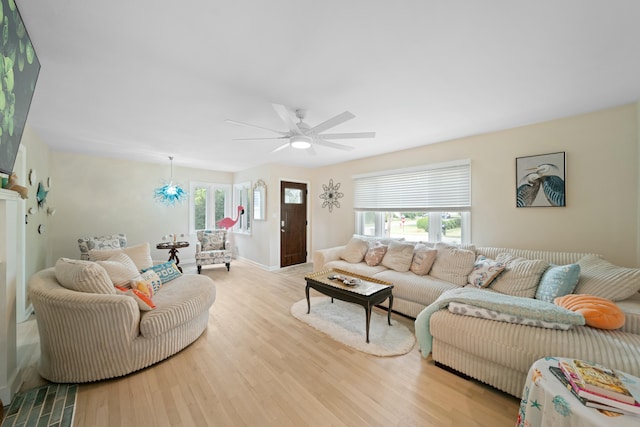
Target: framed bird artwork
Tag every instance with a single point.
(540, 180)
(41, 195)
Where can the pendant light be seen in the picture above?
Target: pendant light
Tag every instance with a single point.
(170, 193)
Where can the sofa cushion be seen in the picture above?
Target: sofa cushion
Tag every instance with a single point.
(423, 258)
(139, 254)
(484, 271)
(83, 276)
(166, 271)
(398, 256)
(408, 286)
(179, 302)
(601, 278)
(520, 277)
(598, 312)
(375, 254)
(120, 269)
(452, 264)
(360, 268)
(557, 281)
(355, 250)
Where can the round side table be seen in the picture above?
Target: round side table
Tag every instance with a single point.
(173, 250)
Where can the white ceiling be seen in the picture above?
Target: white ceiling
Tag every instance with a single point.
(145, 79)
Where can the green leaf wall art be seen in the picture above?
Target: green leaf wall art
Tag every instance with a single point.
(19, 69)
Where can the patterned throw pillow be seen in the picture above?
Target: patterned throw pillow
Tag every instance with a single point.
(167, 271)
(558, 281)
(143, 300)
(120, 269)
(520, 277)
(83, 276)
(423, 258)
(375, 254)
(484, 271)
(148, 282)
(213, 242)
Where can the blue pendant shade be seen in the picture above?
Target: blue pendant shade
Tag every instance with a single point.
(170, 194)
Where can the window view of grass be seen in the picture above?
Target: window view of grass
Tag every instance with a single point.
(414, 226)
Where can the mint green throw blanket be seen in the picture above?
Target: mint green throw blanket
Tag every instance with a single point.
(516, 306)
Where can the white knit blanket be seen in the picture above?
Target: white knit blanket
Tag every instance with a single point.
(516, 306)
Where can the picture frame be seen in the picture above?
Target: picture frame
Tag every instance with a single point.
(541, 180)
(20, 66)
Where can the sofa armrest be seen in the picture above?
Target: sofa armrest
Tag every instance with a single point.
(322, 256)
(198, 246)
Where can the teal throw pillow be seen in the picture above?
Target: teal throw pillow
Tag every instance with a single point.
(558, 281)
(167, 271)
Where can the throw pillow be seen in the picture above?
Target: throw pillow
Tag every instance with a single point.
(355, 250)
(601, 278)
(520, 277)
(557, 281)
(598, 312)
(398, 256)
(484, 271)
(148, 282)
(375, 254)
(139, 254)
(144, 302)
(213, 241)
(452, 264)
(167, 271)
(423, 258)
(83, 276)
(120, 269)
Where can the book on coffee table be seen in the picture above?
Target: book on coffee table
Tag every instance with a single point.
(602, 381)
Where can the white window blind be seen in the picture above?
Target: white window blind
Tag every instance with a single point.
(440, 187)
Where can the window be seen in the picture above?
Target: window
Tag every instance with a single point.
(431, 203)
(209, 204)
(242, 197)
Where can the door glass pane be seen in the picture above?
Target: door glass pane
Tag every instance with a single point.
(293, 196)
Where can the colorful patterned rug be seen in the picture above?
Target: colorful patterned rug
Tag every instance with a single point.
(49, 405)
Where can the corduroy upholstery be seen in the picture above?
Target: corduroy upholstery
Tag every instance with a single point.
(87, 337)
(499, 353)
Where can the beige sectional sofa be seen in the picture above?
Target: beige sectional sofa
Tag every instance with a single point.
(89, 331)
(495, 352)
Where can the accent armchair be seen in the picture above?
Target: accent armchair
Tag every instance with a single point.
(114, 241)
(213, 247)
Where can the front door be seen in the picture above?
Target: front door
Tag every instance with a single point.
(293, 223)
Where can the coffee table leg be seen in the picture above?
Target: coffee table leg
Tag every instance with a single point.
(390, 308)
(306, 291)
(368, 310)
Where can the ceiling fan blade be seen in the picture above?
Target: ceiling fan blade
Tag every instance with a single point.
(285, 115)
(261, 139)
(282, 147)
(334, 121)
(332, 144)
(348, 135)
(235, 122)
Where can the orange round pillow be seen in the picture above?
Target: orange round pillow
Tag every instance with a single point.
(598, 312)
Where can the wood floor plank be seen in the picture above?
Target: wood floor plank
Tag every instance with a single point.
(256, 365)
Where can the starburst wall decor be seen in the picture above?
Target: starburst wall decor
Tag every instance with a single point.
(331, 195)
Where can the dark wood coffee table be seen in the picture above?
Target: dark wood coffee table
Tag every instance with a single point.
(367, 293)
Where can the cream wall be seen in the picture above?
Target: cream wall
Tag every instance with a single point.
(96, 195)
(602, 186)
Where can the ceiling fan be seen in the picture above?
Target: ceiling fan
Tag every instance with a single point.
(302, 136)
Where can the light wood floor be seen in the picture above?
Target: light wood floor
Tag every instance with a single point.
(256, 365)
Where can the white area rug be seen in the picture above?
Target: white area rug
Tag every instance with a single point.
(346, 322)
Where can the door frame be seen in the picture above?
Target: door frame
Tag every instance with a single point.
(308, 242)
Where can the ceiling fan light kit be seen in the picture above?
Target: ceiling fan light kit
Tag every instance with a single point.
(302, 136)
(301, 142)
